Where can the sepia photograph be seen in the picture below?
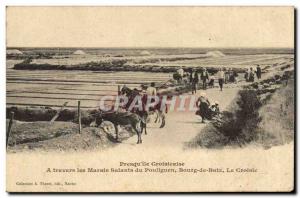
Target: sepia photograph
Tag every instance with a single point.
(150, 99)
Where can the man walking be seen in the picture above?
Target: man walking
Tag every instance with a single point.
(195, 81)
(180, 73)
(204, 78)
(191, 76)
(258, 72)
(221, 77)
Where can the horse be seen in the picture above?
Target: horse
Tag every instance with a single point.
(131, 94)
(122, 118)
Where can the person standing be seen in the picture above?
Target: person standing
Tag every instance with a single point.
(151, 91)
(221, 76)
(258, 72)
(191, 76)
(247, 75)
(231, 76)
(204, 78)
(226, 76)
(195, 82)
(251, 75)
(180, 73)
(235, 74)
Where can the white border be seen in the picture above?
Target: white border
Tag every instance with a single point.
(153, 2)
(5, 3)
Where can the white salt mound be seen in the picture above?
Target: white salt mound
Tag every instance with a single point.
(215, 54)
(13, 51)
(145, 53)
(79, 52)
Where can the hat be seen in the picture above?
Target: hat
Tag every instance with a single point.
(203, 94)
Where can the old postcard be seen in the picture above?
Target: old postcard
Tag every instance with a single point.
(150, 99)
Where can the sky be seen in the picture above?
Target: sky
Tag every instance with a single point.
(150, 27)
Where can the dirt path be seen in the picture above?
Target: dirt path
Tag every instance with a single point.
(180, 126)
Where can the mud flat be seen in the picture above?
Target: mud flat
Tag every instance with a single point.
(40, 88)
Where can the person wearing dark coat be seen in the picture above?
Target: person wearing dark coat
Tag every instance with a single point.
(203, 105)
(195, 81)
(191, 76)
(235, 74)
(226, 76)
(258, 72)
(204, 78)
(246, 75)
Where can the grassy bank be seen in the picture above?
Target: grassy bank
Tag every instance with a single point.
(60, 136)
(262, 113)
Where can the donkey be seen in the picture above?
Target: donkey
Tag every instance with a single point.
(122, 118)
(131, 94)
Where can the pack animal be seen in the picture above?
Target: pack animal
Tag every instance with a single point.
(122, 118)
(131, 94)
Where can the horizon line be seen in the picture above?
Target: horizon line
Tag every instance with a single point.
(158, 47)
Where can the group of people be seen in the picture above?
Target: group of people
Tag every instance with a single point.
(250, 74)
(195, 77)
(223, 76)
(206, 110)
(226, 76)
